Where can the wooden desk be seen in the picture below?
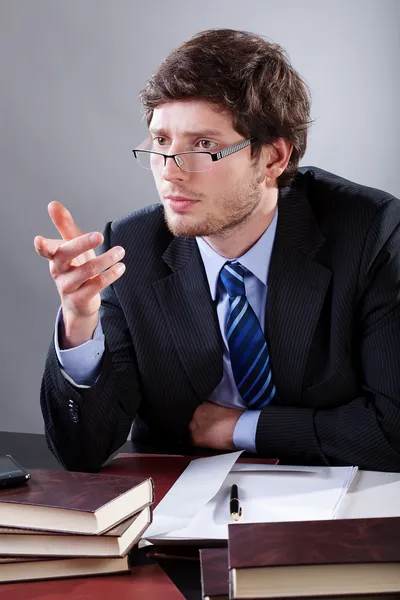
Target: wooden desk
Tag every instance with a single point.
(372, 494)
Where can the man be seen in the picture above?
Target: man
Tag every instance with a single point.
(260, 305)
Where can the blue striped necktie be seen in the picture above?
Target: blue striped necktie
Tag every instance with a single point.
(247, 346)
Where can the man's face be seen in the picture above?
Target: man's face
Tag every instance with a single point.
(217, 201)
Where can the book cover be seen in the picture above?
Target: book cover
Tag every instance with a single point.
(343, 557)
(64, 501)
(314, 542)
(214, 573)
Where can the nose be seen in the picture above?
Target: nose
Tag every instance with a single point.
(171, 171)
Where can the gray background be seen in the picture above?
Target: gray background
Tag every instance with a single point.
(70, 74)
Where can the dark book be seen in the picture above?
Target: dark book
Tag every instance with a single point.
(113, 543)
(143, 582)
(84, 503)
(343, 557)
(30, 569)
(214, 573)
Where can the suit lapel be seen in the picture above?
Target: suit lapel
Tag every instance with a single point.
(186, 303)
(297, 286)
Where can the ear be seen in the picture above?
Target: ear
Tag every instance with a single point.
(274, 159)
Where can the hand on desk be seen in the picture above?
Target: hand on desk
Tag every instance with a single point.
(212, 426)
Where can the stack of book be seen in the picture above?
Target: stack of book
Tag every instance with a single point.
(67, 524)
(342, 558)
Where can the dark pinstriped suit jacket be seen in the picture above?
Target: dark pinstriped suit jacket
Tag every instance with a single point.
(332, 326)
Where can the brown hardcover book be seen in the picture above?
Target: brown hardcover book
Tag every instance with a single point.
(164, 469)
(343, 557)
(84, 503)
(214, 573)
(29, 569)
(147, 582)
(115, 542)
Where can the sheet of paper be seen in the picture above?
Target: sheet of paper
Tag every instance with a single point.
(374, 494)
(260, 467)
(199, 482)
(266, 495)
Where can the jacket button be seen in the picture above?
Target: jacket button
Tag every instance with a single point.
(73, 410)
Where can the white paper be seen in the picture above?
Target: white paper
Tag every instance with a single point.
(374, 494)
(266, 492)
(199, 482)
(268, 467)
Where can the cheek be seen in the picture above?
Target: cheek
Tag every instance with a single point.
(224, 177)
(231, 179)
(157, 179)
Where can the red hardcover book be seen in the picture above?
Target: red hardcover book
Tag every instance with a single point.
(342, 557)
(84, 503)
(214, 573)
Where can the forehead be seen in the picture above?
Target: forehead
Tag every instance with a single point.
(183, 117)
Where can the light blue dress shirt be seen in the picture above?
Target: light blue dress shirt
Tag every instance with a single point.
(81, 365)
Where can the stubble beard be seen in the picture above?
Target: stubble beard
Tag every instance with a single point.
(234, 211)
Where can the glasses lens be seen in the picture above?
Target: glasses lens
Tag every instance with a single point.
(195, 162)
(148, 160)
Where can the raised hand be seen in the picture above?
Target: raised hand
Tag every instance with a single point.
(78, 273)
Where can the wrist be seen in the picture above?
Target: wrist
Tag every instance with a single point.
(75, 331)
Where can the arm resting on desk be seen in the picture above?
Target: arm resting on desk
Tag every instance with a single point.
(365, 431)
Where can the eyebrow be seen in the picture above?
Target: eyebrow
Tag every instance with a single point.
(199, 133)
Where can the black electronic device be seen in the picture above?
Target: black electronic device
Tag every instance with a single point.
(11, 472)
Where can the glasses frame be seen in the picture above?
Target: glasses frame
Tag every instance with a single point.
(215, 156)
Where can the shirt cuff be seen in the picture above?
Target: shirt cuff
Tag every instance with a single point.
(81, 365)
(244, 435)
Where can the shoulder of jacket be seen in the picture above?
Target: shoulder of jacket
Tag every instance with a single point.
(321, 184)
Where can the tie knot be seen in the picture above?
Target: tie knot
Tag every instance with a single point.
(232, 277)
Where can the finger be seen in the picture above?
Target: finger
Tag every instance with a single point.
(63, 220)
(99, 283)
(46, 247)
(67, 251)
(73, 280)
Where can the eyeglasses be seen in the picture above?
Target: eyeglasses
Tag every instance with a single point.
(195, 161)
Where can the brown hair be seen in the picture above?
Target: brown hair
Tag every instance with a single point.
(245, 75)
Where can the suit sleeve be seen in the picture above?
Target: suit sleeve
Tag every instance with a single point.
(85, 426)
(366, 430)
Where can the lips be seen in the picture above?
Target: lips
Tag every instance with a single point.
(180, 203)
(180, 199)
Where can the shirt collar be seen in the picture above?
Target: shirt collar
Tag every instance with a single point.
(256, 259)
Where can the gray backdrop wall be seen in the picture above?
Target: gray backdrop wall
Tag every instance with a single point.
(71, 72)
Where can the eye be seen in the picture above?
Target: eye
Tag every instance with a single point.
(207, 144)
(160, 141)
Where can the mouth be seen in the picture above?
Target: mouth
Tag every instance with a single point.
(180, 203)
